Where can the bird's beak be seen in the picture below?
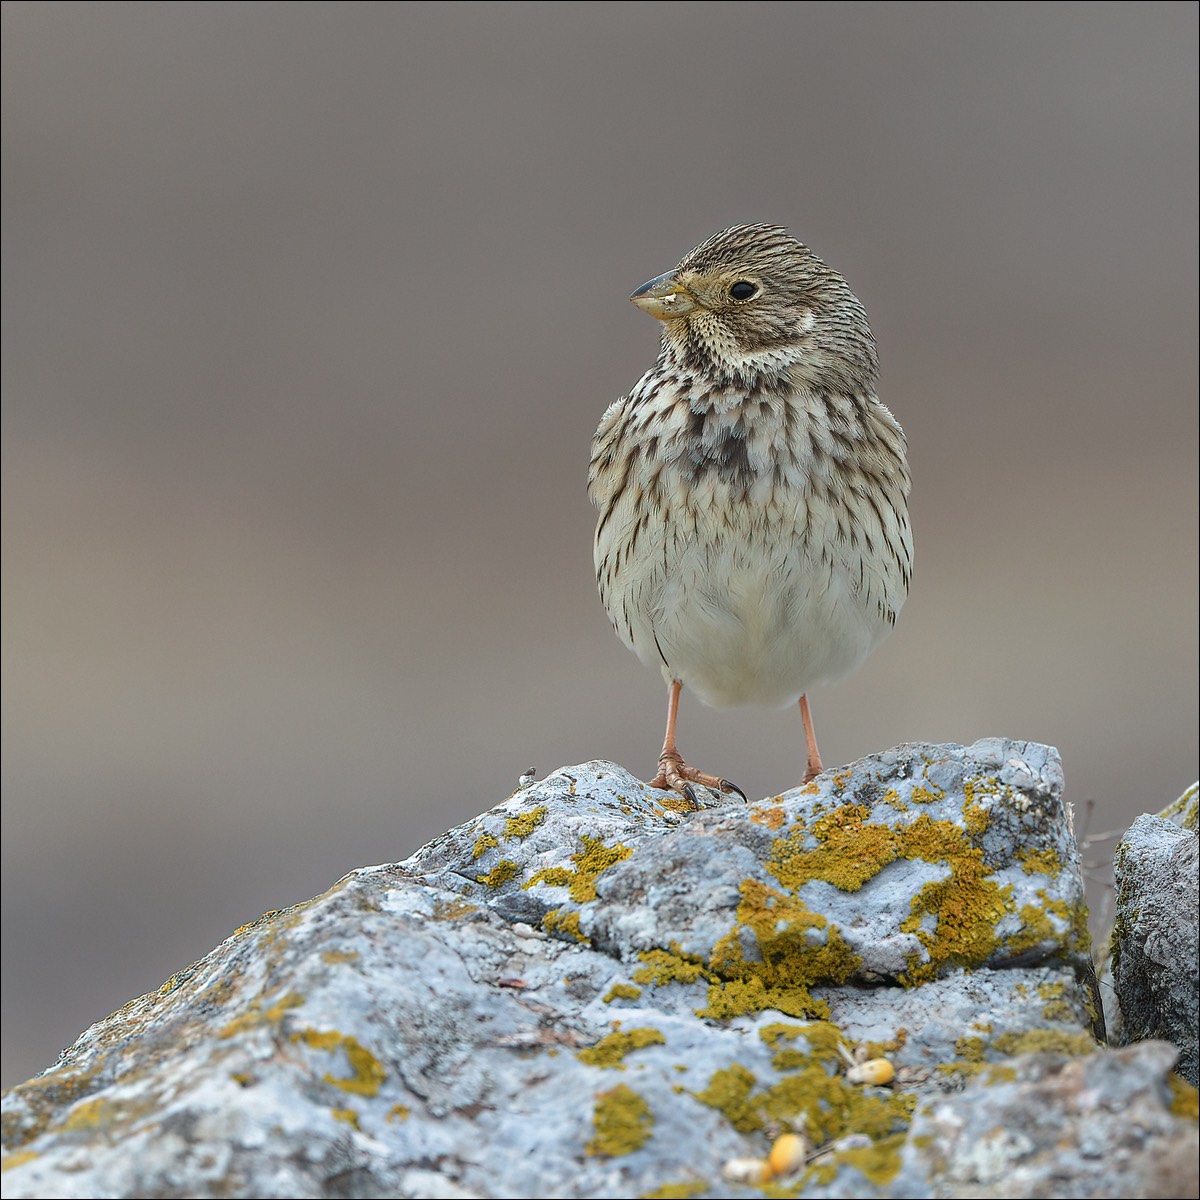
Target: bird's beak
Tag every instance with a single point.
(664, 298)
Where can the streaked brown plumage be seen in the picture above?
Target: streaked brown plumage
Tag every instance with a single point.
(753, 536)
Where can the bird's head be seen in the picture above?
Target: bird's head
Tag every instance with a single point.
(753, 301)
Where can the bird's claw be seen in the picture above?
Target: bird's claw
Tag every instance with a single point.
(676, 776)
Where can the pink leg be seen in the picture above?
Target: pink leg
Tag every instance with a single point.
(673, 773)
(815, 766)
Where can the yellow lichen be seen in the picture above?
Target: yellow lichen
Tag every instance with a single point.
(91, 1113)
(590, 863)
(729, 1091)
(1076, 918)
(1035, 931)
(677, 1191)
(1038, 929)
(813, 1096)
(975, 815)
(929, 795)
(849, 852)
(621, 991)
(954, 918)
(333, 957)
(966, 907)
(1040, 862)
(516, 828)
(1045, 1041)
(823, 1040)
(180, 977)
(661, 967)
(452, 910)
(610, 1051)
(44, 1097)
(1185, 1101)
(500, 874)
(367, 1073)
(257, 1015)
(346, 1114)
(970, 1049)
(798, 948)
(771, 818)
(879, 1163)
(398, 1112)
(999, 1073)
(894, 1043)
(19, 1158)
(551, 877)
(102, 1113)
(483, 843)
(1057, 1007)
(621, 1123)
(557, 921)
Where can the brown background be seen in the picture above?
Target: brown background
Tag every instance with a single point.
(310, 313)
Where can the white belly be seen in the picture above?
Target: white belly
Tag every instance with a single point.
(753, 624)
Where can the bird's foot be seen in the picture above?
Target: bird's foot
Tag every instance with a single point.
(676, 776)
(814, 769)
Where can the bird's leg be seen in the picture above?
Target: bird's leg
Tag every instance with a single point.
(673, 773)
(815, 766)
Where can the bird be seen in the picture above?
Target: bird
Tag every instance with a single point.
(752, 537)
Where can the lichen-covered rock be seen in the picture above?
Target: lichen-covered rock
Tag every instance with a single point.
(1156, 937)
(586, 992)
(1106, 1124)
(901, 868)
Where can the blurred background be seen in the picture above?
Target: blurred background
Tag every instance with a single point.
(310, 312)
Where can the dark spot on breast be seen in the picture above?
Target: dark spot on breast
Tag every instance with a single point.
(727, 457)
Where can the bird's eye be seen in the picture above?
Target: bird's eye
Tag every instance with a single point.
(743, 289)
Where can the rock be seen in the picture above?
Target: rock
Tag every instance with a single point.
(1156, 937)
(1185, 812)
(585, 992)
(1045, 1125)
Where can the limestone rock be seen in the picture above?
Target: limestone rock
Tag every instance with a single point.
(1185, 812)
(586, 992)
(1156, 937)
(1045, 1125)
